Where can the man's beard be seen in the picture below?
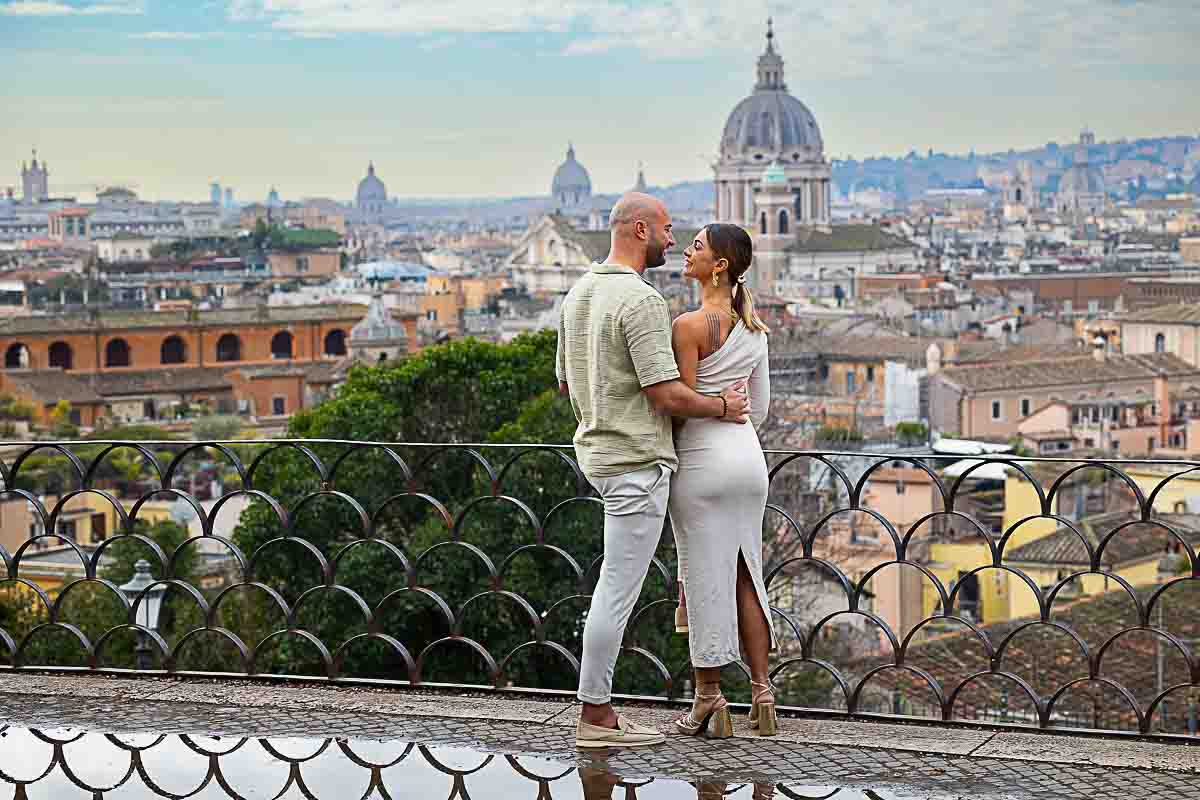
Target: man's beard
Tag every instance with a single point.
(656, 253)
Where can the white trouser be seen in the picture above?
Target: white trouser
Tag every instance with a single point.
(635, 507)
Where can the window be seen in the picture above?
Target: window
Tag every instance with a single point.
(1114, 445)
(783, 221)
(1025, 406)
(1160, 343)
(431, 315)
(996, 409)
(870, 374)
(173, 351)
(335, 343)
(278, 406)
(281, 345)
(75, 417)
(850, 381)
(61, 355)
(301, 263)
(1064, 445)
(66, 529)
(1150, 443)
(762, 223)
(229, 348)
(1089, 442)
(116, 353)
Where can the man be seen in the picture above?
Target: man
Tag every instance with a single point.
(616, 362)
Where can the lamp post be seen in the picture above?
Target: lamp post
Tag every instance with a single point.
(147, 613)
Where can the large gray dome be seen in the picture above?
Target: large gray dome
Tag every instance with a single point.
(372, 194)
(771, 124)
(571, 180)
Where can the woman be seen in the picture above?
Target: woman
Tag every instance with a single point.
(719, 494)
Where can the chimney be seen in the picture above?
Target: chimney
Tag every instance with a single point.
(1162, 398)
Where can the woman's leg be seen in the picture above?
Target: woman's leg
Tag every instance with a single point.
(753, 630)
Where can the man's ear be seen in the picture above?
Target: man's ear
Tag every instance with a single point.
(641, 229)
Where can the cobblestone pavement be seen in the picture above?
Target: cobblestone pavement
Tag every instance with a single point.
(910, 773)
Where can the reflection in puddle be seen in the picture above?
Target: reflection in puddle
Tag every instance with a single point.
(65, 763)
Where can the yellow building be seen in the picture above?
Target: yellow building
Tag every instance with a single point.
(1099, 500)
(86, 520)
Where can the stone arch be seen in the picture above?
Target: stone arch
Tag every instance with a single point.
(229, 347)
(173, 350)
(116, 353)
(61, 355)
(282, 345)
(17, 356)
(335, 343)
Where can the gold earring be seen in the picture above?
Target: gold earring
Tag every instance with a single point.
(716, 279)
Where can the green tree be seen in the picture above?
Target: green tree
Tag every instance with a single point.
(465, 391)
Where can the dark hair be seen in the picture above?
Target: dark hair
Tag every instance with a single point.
(732, 243)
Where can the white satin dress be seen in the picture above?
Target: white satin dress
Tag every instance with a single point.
(718, 497)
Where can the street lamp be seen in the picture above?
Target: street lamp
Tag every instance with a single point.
(147, 613)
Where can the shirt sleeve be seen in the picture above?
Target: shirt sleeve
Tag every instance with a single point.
(647, 329)
(759, 387)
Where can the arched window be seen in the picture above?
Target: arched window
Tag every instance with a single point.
(797, 208)
(16, 356)
(116, 353)
(335, 343)
(783, 221)
(173, 350)
(1160, 343)
(229, 348)
(61, 355)
(762, 223)
(281, 345)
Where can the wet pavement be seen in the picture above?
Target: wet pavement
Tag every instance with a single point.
(105, 744)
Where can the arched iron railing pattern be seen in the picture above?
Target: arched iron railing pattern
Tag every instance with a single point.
(180, 766)
(894, 669)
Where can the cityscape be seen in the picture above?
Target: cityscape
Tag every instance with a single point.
(984, 424)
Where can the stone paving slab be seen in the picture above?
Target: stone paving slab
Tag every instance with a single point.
(561, 713)
(1101, 752)
(890, 773)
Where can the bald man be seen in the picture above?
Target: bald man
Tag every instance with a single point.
(616, 362)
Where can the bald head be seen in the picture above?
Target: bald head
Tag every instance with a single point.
(634, 206)
(641, 230)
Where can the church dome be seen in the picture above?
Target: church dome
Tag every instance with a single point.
(571, 183)
(371, 193)
(771, 123)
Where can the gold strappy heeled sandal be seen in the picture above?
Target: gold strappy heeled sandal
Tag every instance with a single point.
(716, 724)
(762, 712)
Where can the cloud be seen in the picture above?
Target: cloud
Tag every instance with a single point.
(54, 8)
(851, 38)
(168, 36)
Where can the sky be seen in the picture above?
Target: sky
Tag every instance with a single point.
(475, 98)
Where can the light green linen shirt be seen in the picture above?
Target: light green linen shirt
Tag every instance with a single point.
(614, 339)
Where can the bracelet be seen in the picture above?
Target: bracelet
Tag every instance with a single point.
(724, 407)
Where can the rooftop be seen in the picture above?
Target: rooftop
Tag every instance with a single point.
(1077, 371)
(1178, 313)
(126, 320)
(847, 238)
(1135, 543)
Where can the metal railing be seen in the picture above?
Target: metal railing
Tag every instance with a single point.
(470, 565)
